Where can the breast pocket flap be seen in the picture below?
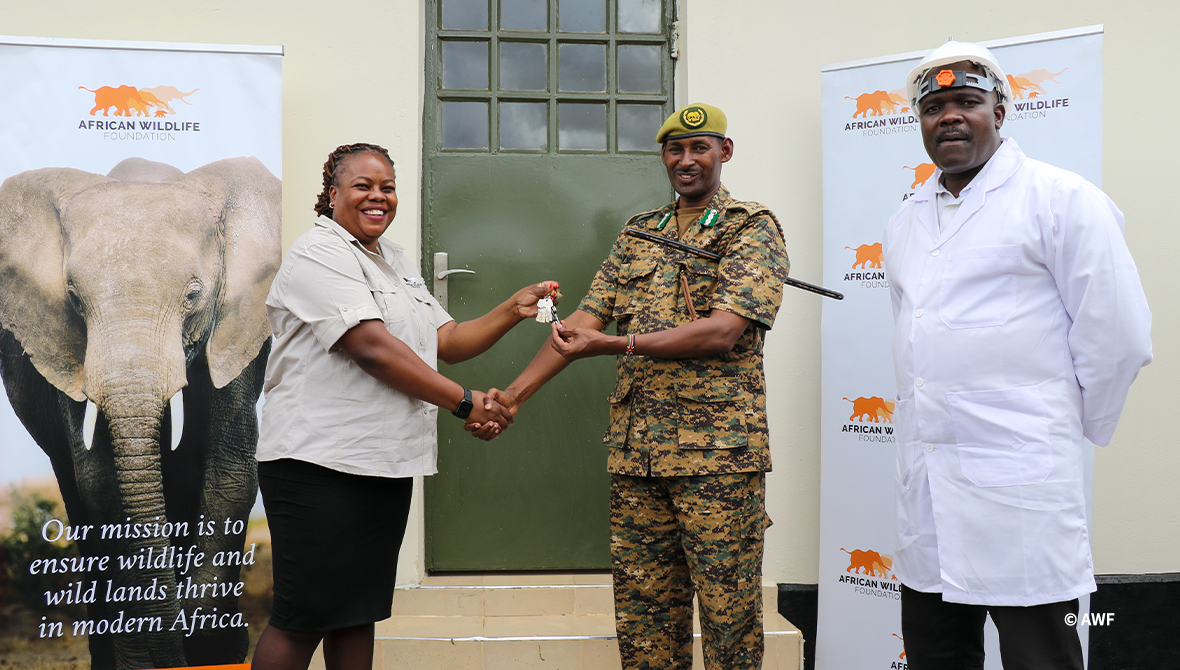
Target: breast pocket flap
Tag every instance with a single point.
(632, 270)
(628, 299)
(389, 302)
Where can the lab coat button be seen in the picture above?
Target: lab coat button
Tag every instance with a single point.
(919, 381)
(929, 448)
(934, 253)
(918, 314)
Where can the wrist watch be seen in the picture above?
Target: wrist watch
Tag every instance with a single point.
(464, 408)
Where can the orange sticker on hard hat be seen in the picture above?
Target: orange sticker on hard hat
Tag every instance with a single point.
(945, 78)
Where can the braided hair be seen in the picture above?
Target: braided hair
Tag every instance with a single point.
(332, 168)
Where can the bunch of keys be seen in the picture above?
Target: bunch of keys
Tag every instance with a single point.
(546, 310)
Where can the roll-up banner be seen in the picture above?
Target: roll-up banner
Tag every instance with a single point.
(140, 229)
(873, 160)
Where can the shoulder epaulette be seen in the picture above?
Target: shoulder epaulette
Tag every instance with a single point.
(644, 216)
(748, 206)
(752, 209)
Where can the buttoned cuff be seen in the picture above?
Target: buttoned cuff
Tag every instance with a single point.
(329, 331)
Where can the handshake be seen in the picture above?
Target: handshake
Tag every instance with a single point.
(491, 413)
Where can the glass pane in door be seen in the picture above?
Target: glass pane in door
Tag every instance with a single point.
(639, 16)
(639, 69)
(638, 125)
(524, 15)
(581, 67)
(465, 125)
(465, 65)
(465, 14)
(581, 126)
(524, 125)
(523, 67)
(582, 16)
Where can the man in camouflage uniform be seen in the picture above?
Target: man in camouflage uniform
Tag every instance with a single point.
(688, 434)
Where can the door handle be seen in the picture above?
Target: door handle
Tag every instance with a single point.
(441, 273)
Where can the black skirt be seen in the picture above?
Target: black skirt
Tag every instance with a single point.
(334, 544)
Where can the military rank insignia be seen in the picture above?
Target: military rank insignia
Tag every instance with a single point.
(693, 118)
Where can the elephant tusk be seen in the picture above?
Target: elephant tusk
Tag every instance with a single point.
(89, 420)
(177, 407)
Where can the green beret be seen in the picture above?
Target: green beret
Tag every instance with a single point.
(692, 120)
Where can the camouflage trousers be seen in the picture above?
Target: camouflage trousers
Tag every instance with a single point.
(672, 537)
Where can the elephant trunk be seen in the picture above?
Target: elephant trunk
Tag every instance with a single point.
(134, 412)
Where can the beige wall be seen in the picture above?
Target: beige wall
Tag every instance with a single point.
(355, 74)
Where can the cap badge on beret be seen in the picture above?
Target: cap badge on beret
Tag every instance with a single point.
(694, 117)
(945, 78)
(691, 120)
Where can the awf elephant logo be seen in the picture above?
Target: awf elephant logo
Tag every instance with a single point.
(870, 573)
(868, 256)
(881, 112)
(1030, 84)
(922, 172)
(871, 419)
(880, 103)
(1033, 93)
(131, 101)
(873, 409)
(869, 563)
(868, 266)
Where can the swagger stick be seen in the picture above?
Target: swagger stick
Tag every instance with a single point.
(704, 253)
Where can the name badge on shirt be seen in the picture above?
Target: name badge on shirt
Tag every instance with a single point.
(414, 282)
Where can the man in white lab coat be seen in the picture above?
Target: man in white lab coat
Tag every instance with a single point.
(1020, 325)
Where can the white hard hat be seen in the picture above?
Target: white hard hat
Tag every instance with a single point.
(954, 52)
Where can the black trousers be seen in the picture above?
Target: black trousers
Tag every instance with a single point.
(949, 636)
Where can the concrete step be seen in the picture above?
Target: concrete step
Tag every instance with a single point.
(534, 622)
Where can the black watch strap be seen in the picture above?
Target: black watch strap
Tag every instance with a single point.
(464, 408)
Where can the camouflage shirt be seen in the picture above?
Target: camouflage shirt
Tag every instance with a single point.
(692, 416)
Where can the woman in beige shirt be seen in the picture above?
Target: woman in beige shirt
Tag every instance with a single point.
(352, 395)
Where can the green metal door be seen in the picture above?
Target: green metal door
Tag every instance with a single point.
(539, 143)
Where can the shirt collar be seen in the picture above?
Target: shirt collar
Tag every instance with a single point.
(979, 178)
(719, 201)
(389, 250)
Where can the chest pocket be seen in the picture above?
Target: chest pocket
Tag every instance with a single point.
(712, 413)
(395, 302)
(390, 302)
(979, 287)
(426, 306)
(633, 280)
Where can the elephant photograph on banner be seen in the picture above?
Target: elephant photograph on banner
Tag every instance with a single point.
(133, 342)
